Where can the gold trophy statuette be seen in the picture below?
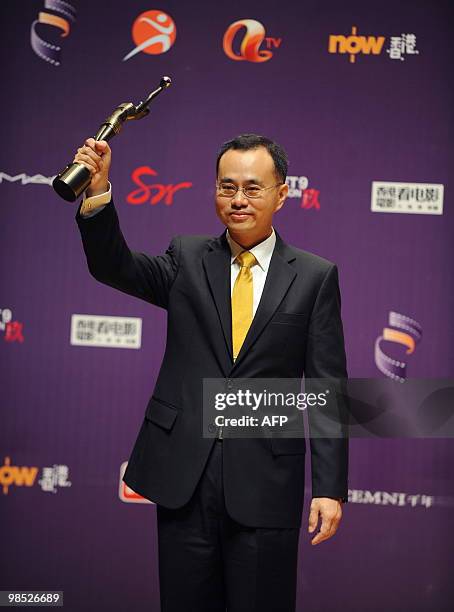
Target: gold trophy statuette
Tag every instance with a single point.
(71, 182)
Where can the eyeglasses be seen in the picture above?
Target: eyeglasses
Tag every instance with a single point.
(229, 190)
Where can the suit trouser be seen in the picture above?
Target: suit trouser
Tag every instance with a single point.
(209, 563)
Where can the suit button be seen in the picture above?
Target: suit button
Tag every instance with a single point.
(229, 384)
(211, 428)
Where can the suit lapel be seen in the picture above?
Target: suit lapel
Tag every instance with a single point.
(217, 267)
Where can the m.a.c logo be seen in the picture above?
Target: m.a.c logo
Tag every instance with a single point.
(253, 37)
(153, 32)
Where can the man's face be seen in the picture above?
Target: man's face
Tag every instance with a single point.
(249, 219)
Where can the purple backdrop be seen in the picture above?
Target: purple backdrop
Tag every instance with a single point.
(72, 411)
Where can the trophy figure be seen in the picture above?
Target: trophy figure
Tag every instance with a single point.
(71, 182)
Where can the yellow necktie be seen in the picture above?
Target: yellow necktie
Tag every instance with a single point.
(242, 301)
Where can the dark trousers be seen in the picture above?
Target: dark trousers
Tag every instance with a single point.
(210, 563)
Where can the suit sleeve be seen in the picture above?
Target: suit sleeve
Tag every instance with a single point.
(110, 261)
(325, 358)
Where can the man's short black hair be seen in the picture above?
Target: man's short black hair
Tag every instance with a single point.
(245, 142)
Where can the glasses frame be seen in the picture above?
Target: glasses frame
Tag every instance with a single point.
(223, 195)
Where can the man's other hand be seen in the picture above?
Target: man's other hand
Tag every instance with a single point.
(330, 512)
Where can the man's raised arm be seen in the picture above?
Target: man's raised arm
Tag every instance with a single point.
(109, 258)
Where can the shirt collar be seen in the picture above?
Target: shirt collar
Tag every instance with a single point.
(262, 251)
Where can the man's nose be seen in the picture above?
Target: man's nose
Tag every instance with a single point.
(239, 198)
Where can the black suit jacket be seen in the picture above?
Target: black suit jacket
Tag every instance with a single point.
(297, 329)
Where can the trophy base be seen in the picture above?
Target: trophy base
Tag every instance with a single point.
(72, 182)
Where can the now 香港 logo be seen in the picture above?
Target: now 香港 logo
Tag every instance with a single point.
(52, 477)
(355, 44)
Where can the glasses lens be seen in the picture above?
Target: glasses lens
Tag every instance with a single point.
(252, 192)
(227, 189)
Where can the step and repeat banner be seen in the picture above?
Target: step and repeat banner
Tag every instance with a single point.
(361, 97)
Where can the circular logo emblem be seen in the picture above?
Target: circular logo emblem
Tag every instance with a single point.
(153, 32)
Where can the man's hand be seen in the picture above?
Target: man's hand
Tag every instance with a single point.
(330, 511)
(96, 156)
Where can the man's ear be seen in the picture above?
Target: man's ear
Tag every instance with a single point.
(282, 196)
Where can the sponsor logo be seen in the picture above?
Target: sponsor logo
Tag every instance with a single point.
(253, 34)
(400, 46)
(385, 498)
(407, 198)
(48, 48)
(299, 189)
(24, 476)
(125, 493)
(402, 331)
(106, 331)
(153, 32)
(13, 330)
(152, 192)
(53, 477)
(354, 44)
(25, 179)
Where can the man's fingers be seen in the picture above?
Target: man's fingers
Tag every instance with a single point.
(90, 151)
(97, 145)
(101, 145)
(330, 523)
(313, 519)
(87, 161)
(326, 531)
(87, 151)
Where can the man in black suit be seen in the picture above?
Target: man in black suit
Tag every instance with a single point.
(241, 305)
